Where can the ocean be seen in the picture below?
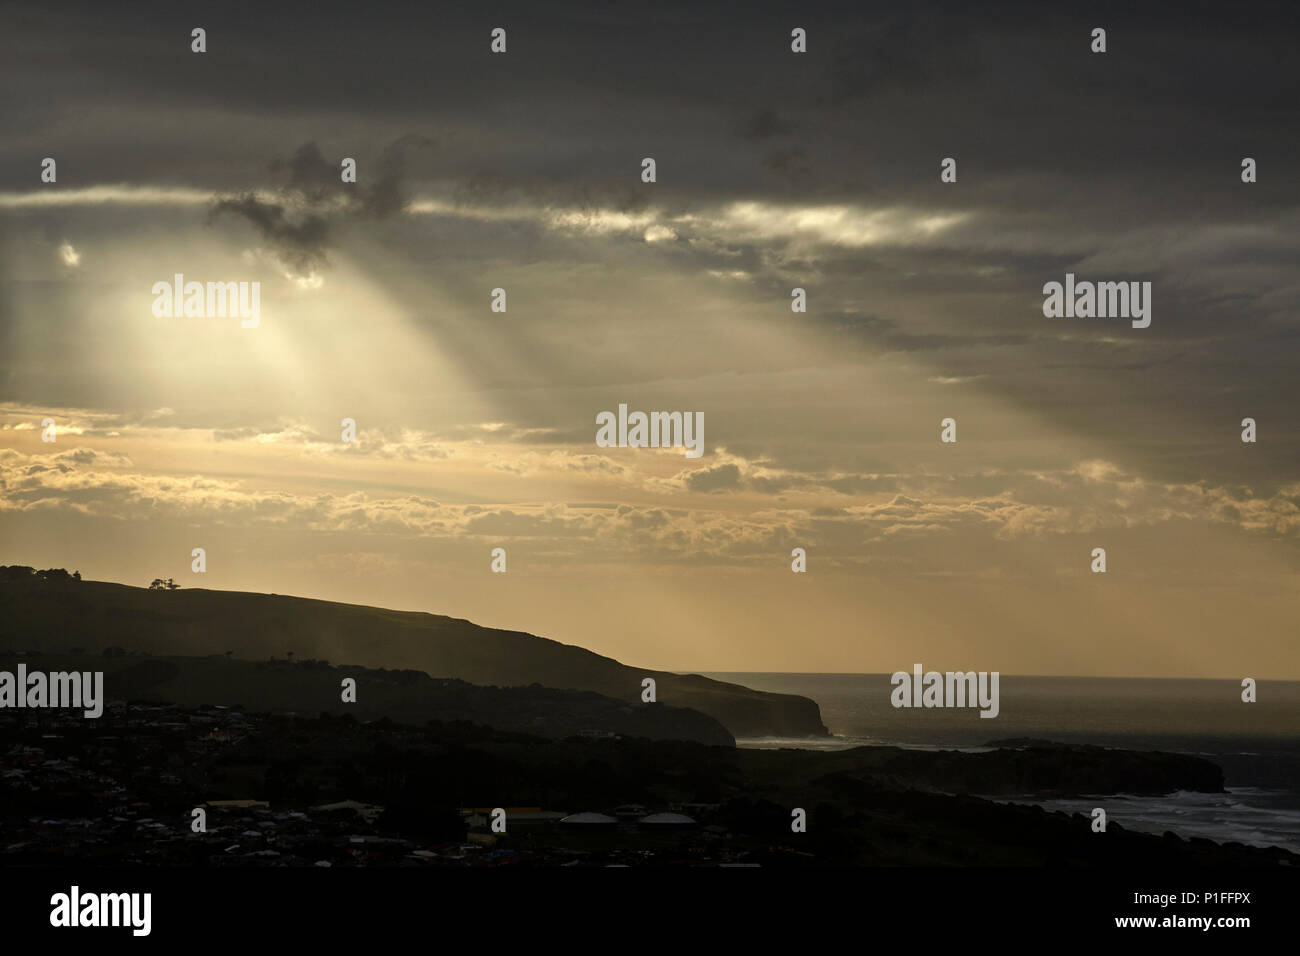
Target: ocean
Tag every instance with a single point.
(1257, 745)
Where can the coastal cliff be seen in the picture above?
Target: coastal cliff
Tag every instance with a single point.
(55, 616)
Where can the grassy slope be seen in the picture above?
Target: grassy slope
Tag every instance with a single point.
(52, 617)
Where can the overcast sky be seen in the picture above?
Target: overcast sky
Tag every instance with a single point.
(775, 170)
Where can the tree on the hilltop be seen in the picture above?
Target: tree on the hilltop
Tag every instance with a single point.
(54, 574)
(158, 584)
(21, 572)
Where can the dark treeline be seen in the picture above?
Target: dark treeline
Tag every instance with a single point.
(21, 572)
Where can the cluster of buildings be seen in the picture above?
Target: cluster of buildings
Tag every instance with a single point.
(628, 818)
(121, 793)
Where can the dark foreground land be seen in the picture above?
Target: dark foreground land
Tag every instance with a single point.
(289, 773)
(295, 790)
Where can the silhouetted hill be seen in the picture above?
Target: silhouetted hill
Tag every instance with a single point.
(47, 615)
(406, 696)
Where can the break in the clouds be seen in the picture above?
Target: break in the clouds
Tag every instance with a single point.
(775, 172)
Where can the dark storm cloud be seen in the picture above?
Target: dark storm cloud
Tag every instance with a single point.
(299, 227)
(1116, 165)
(310, 174)
(711, 89)
(300, 244)
(385, 195)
